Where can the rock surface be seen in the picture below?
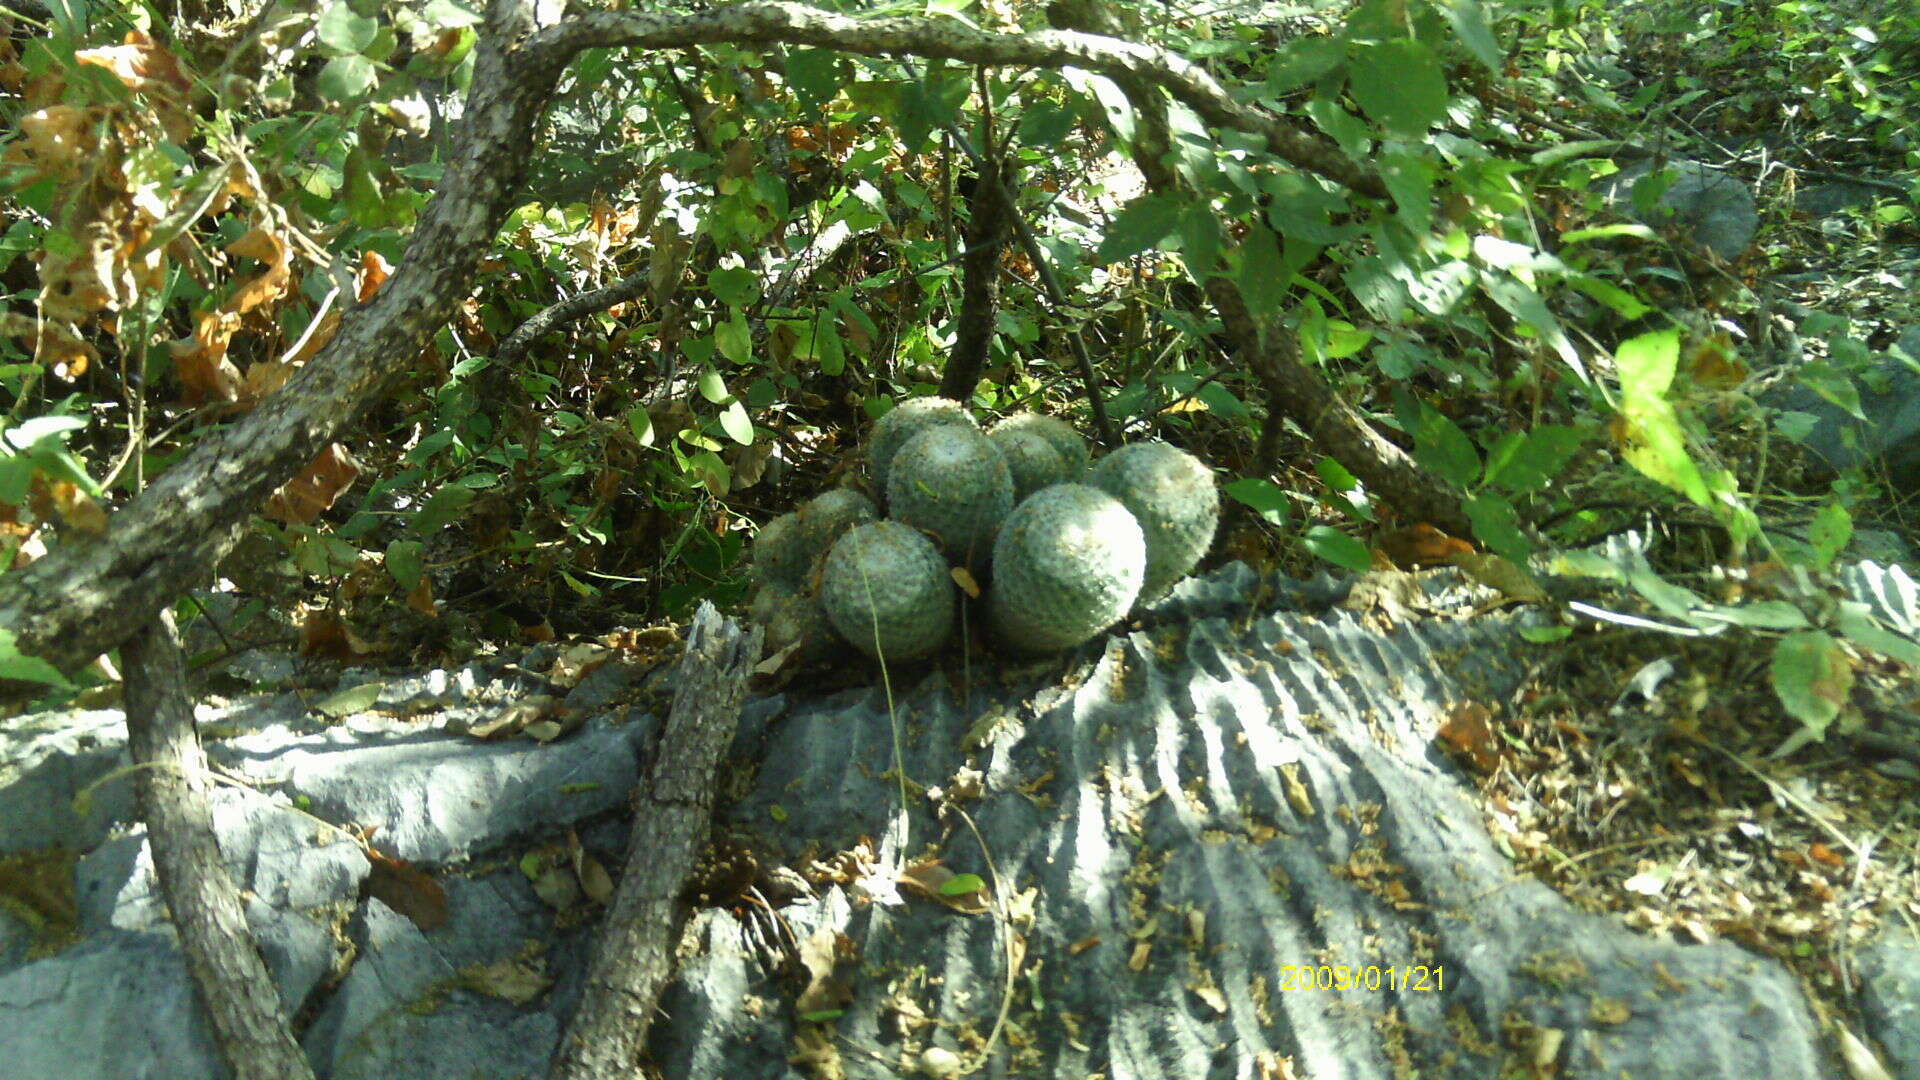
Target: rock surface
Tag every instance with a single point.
(1197, 812)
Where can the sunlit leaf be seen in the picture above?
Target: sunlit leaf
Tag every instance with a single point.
(1338, 548)
(1400, 85)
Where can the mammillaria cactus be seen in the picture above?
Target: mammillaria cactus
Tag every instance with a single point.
(1058, 434)
(1031, 459)
(1068, 563)
(909, 418)
(951, 481)
(1171, 494)
(887, 590)
(781, 554)
(829, 514)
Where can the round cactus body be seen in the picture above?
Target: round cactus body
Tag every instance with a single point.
(1057, 432)
(952, 481)
(1068, 563)
(1172, 496)
(908, 419)
(1031, 459)
(887, 591)
(781, 554)
(829, 514)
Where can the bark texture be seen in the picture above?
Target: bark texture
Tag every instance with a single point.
(673, 808)
(987, 232)
(235, 987)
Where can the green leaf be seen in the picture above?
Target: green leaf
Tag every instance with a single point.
(1044, 124)
(1265, 497)
(814, 75)
(1469, 21)
(1527, 462)
(1759, 615)
(1624, 304)
(449, 15)
(1856, 621)
(1812, 678)
(713, 387)
(735, 339)
(1545, 635)
(1222, 401)
(17, 665)
(1400, 85)
(1302, 61)
(712, 472)
(348, 702)
(28, 433)
(735, 422)
(363, 197)
(1140, 225)
(344, 30)
(962, 885)
(1653, 440)
(640, 422)
(1409, 179)
(1647, 363)
(1497, 525)
(1260, 279)
(1200, 240)
(444, 506)
(1832, 529)
(1338, 548)
(345, 78)
(1440, 445)
(735, 286)
(404, 562)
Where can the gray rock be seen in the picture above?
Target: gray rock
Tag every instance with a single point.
(47, 761)
(1236, 787)
(1173, 754)
(1888, 437)
(1709, 207)
(1835, 197)
(1890, 997)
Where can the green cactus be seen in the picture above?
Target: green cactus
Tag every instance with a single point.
(951, 481)
(1031, 459)
(829, 514)
(781, 553)
(1171, 494)
(888, 592)
(909, 418)
(1058, 434)
(1068, 563)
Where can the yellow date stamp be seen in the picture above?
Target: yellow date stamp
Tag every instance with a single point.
(1415, 978)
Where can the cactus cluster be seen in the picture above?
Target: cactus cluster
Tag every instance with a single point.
(1067, 545)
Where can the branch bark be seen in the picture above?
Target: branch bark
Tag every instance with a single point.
(673, 809)
(796, 24)
(249, 1023)
(987, 231)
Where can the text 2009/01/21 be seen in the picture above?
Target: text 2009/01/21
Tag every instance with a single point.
(1417, 978)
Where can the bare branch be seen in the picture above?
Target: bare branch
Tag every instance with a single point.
(796, 24)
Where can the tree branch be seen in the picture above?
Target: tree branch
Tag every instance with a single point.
(673, 809)
(249, 1024)
(796, 24)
